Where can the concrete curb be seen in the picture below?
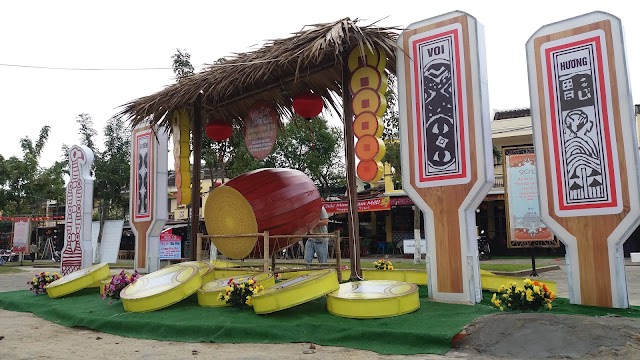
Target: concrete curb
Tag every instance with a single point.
(528, 271)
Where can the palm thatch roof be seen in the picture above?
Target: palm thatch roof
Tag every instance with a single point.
(311, 59)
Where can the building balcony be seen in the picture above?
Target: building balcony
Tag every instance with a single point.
(498, 185)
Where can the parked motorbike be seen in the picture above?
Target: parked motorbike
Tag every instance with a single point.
(484, 249)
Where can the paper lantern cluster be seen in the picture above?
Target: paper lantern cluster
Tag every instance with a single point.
(181, 152)
(368, 85)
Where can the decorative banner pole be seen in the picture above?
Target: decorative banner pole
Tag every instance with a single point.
(77, 252)
(444, 123)
(586, 145)
(149, 154)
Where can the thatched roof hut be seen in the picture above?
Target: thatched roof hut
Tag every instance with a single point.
(311, 59)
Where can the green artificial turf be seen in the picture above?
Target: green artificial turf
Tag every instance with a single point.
(427, 330)
(562, 306)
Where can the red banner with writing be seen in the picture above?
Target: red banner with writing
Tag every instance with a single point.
(377, 204)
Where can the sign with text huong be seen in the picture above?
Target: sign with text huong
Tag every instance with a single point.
(586, 150)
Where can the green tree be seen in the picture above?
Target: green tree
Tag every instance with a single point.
(25, 186)
(111, 167)
(313, 147)
(391, 134)
(182, 67)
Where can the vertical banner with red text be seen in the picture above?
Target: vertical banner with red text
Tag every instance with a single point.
(21, 232)
(525, 229)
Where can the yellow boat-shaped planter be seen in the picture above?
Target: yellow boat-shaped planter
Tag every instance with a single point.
(418, 277)
(296, 291)
(161, 288)
(209, 293)
(373, 299)
(78, 280)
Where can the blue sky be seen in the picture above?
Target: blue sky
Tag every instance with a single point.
(144, 34)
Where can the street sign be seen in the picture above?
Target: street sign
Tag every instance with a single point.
(586, 147)
(446, 144)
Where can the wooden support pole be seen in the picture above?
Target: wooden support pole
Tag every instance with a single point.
(266, 252)
(199, 246)
(350, 159)
(336, 244)
(195, 183)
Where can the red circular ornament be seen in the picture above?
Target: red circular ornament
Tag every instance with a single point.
(219, 130)
(308, 105)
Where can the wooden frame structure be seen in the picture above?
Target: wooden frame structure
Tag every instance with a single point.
(269, 259)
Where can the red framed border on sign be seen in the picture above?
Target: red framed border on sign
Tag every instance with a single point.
(147, 172)
(591, 41)
(460, 176)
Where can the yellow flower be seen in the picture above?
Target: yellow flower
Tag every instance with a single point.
(251, 282)
(493, 298)
(34, 279)
(501, 308)
(549, 306)
(389, 263)
(229, 288)
(501, 288)
(390, 267)
(242, 286)
(519, 290)
(536, 289)
(248, 302)
(528, 282)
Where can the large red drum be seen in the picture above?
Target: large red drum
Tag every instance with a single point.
(283, 201)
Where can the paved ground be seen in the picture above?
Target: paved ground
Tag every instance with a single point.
(498, 336)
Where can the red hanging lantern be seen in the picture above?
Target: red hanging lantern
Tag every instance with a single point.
(219, 130)
(308, 105)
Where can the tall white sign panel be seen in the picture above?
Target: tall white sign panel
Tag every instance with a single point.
(77, 252)
(446, 144)
(148, 200)
(586, 150)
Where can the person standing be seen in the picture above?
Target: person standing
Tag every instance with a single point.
(33, 249)
(320, 246)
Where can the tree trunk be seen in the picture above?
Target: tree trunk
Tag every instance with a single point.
(101, 219)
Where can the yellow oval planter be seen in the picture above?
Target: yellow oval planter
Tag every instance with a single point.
(206, 269)
(209, 292)
(161, 288)
(418, 277)
(78, 280)
(296, 291)
(373, 299)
